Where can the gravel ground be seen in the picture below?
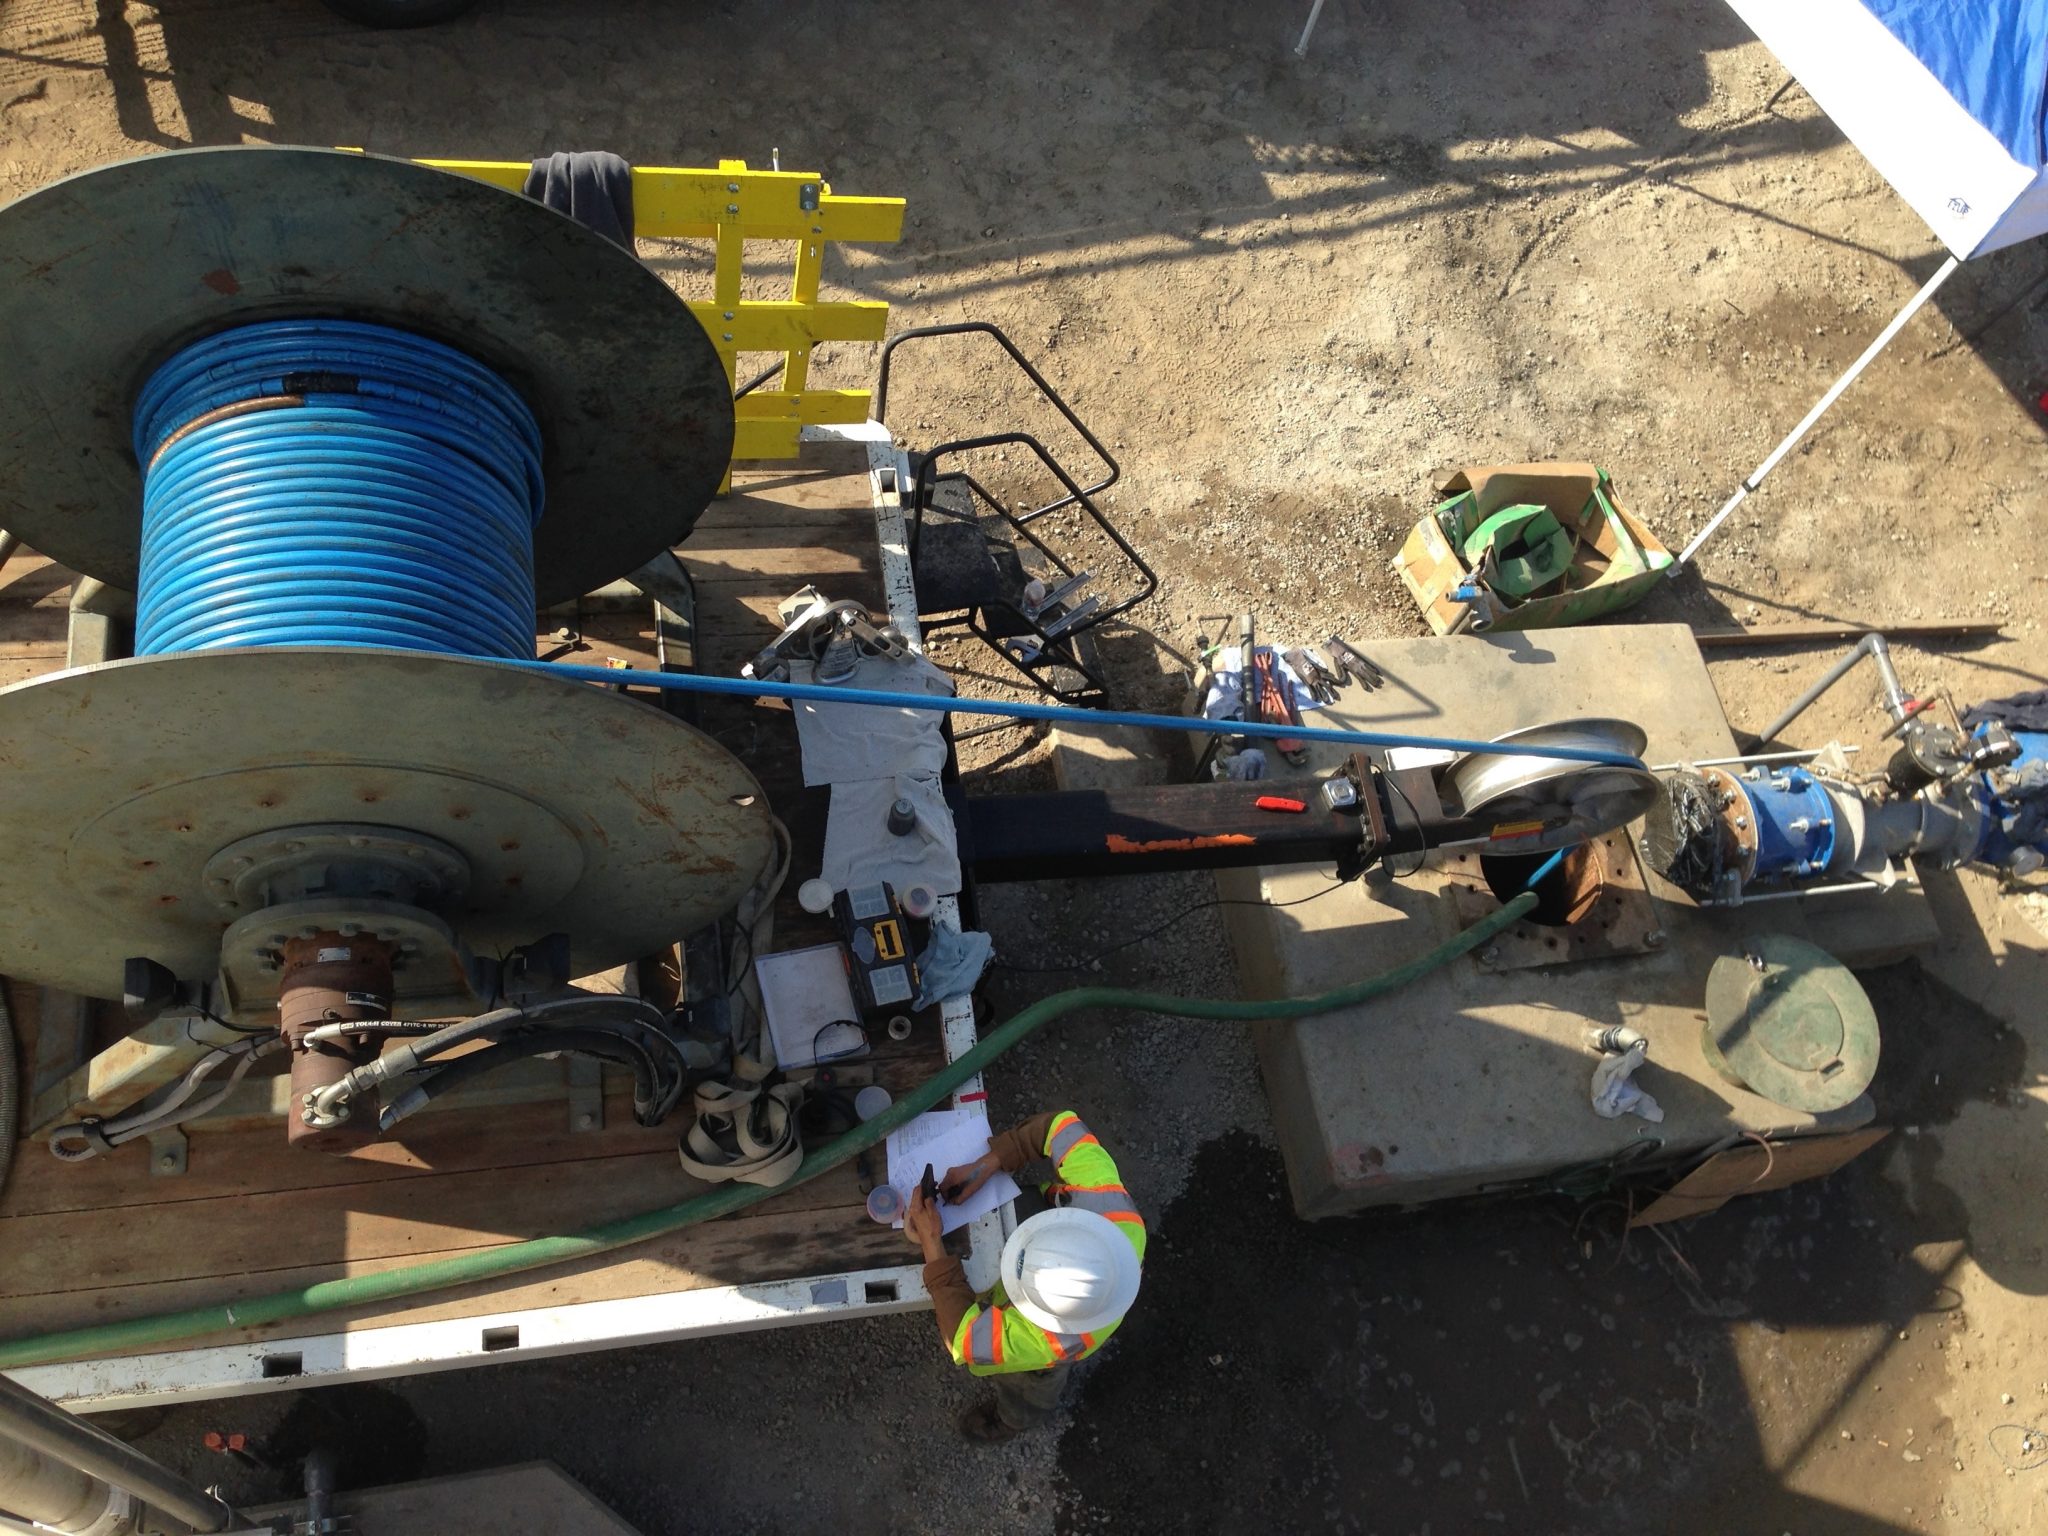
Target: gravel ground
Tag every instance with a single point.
(1290, 295)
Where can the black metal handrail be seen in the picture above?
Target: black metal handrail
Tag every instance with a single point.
(927, 478)
(1038, 382)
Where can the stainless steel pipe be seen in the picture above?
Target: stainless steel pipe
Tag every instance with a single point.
(40, 1426)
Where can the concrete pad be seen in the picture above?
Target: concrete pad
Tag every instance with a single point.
(1467, 1082)
(535, 1498)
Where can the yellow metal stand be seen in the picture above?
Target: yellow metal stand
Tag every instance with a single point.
(731, 206)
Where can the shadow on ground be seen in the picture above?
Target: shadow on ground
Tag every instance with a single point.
(1530, 1367)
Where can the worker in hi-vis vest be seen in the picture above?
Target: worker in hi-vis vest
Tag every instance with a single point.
(1068, 1274)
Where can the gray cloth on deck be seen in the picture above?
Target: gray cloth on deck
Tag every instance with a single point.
(593, 187)
(951, 964)
(844, 742)
(860, 849)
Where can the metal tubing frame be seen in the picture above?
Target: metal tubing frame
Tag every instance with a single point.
(1308, 29)
(1806, 755)
(1871, 645)
(734, 205)
(1845, 888)
(1058, 649)
(36, 1422)
(1038, 382)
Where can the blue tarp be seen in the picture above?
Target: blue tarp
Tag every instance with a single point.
(1991, 55)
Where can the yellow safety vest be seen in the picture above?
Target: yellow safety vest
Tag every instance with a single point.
(994, 1337)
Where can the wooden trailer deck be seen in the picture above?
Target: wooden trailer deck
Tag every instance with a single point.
(107, 1240)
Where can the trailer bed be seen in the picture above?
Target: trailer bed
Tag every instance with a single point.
(107, 1240)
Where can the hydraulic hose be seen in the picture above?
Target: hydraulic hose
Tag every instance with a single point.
(630, 1018)
(514, 1258)
(82, 1139)
(651, 1101)
(1013, 709)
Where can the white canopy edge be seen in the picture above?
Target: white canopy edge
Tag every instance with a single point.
(1942, 161)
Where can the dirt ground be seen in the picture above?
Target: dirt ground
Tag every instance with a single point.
(1289, 294)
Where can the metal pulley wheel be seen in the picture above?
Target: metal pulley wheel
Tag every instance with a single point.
(1535, 804)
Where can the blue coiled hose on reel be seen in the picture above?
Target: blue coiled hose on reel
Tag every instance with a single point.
(328, 482)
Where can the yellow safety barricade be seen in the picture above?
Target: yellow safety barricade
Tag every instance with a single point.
(731, 206)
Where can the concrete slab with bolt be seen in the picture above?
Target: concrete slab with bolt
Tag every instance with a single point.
(1477, 1077)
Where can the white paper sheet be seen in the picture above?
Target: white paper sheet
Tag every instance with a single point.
(803, 991)
(946, 1138)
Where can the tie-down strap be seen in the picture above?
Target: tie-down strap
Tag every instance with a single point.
(746, 1133)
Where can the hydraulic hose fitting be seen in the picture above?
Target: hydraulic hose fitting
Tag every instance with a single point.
(331, 978)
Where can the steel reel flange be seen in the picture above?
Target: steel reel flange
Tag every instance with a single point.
(570, 808)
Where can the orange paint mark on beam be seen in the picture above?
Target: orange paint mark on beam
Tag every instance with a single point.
(1179, 844)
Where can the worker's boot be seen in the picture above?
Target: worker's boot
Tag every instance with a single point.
(982, 1422)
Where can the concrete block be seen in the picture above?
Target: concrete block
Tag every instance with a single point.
(1467, 1082)
(535, 1498)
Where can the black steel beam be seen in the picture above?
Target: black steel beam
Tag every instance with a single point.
(1086, 834)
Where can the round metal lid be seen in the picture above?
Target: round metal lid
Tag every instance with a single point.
(1788, 1021)
(576, 809)
(1560, 801)
(111, 271)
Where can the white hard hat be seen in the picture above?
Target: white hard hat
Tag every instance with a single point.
(1070, 1271)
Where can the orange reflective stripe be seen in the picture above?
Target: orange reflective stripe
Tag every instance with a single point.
(1122, 1216)
(1094, 1189)
(1066, 1134)
(1060, 1122)
(1070, 1346)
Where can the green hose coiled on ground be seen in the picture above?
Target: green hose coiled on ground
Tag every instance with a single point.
(467, 1269)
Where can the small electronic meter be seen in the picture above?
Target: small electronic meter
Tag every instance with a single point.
(877, 934)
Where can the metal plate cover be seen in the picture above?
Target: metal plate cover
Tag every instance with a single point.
(1789, 1021)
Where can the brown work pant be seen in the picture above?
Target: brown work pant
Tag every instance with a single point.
(1026, 1399)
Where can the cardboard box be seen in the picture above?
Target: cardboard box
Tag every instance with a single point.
(1608, 572)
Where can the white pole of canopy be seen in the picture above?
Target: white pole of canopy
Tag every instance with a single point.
(1756, 476)
(1315, 14)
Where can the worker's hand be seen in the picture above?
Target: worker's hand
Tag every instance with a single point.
(959, 1183)
(922, 1226)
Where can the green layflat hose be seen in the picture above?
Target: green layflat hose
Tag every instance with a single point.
(512, 1258)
